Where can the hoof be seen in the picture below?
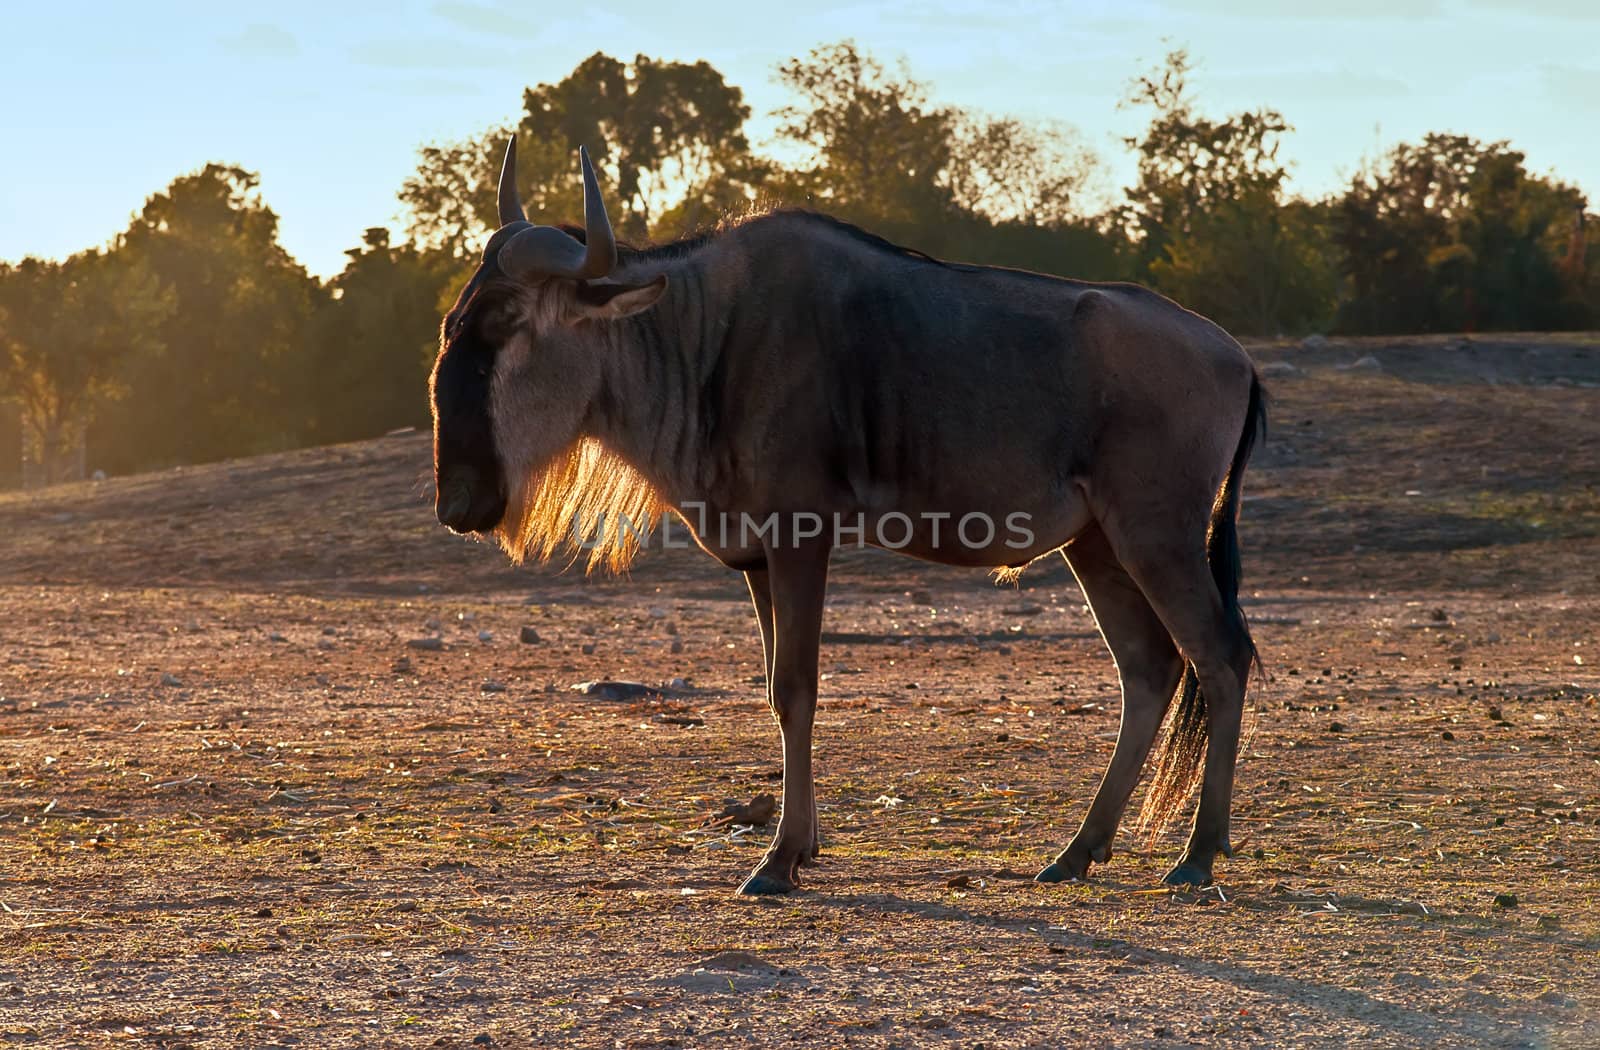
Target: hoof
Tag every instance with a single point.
(765, 886)
(1188, 874)
(1055, 871)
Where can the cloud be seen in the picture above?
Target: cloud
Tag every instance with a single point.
(260, 40)
(1572, 87)
(1276, 10)
(1339, 83)
(486, 18)
(1576, 10)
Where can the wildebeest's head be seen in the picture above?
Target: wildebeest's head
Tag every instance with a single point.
(520, 362)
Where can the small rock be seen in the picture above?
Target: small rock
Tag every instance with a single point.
(669, 628)
(1505, 900)
(1335, 727)
(587, 648)
(1439, 616)
(492, 686)
(604, 690)
(482, 1039)
(1315, 341)
(403, 665)
(276, 637)
(429, 645)
(432, 623)
(1367, 363)
(485, 636)
(1278, 368)
(1447, 735)
(324, 644)
(170, 680)
(677, 645)
(528, 636)
(678, 683)
(328, 630)
(657, 613)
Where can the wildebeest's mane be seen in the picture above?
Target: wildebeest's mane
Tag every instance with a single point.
(693, 242)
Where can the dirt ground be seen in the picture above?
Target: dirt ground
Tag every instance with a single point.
(239, 808)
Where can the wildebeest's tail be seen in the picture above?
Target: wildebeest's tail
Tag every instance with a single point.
(1184, 749)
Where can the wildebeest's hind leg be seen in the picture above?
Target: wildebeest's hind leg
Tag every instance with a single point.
(1212, 636)
(797, 578)
(761, 597)
(1149, 667)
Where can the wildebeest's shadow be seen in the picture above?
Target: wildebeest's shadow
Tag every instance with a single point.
(1350, 1003)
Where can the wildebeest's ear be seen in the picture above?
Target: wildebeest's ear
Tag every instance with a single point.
(607, 301)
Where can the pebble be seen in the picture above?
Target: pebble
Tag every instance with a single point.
(669, 628)
(588, 648)
(276, 637)
(324, 643)
(528, 636)
(492, 686)
(431, 645)
(485, 636)
(677, 645)
(678, 683)
(170, 680)
(657, 613)
(432, 624)
(1278, 368)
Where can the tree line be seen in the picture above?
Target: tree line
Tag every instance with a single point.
(194, 336)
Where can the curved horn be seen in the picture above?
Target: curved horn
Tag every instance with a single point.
(545, 251)
(510, 204)
(601, 258)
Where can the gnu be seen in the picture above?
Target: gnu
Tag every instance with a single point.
(792, 364)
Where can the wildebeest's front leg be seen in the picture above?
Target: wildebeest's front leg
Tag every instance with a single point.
(797, 582)
(761, 597)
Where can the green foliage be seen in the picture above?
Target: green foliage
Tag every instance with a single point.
(875, 150)
(1212, 226)
(65, 331)
(668, 136)
(226, 374)
(1454, 234)
(375, 338)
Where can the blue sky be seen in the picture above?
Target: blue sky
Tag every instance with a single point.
(102, 105)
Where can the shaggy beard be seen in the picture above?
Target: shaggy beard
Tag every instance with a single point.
(585, 500)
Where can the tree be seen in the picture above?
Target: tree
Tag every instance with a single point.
(376, 337)
(876, 151)
(1454, 234)
(668, 137)
(1207, 212)
(227, 372)
(65, 330)
(1007, 170)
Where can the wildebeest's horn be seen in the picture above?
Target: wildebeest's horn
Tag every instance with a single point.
(510, 205)
(545, 251)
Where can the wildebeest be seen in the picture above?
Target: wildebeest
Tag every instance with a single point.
(793, 369)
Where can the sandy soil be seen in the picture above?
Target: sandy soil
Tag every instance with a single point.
(238, 807)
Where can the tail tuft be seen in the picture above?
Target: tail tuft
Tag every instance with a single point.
(1178, 770)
